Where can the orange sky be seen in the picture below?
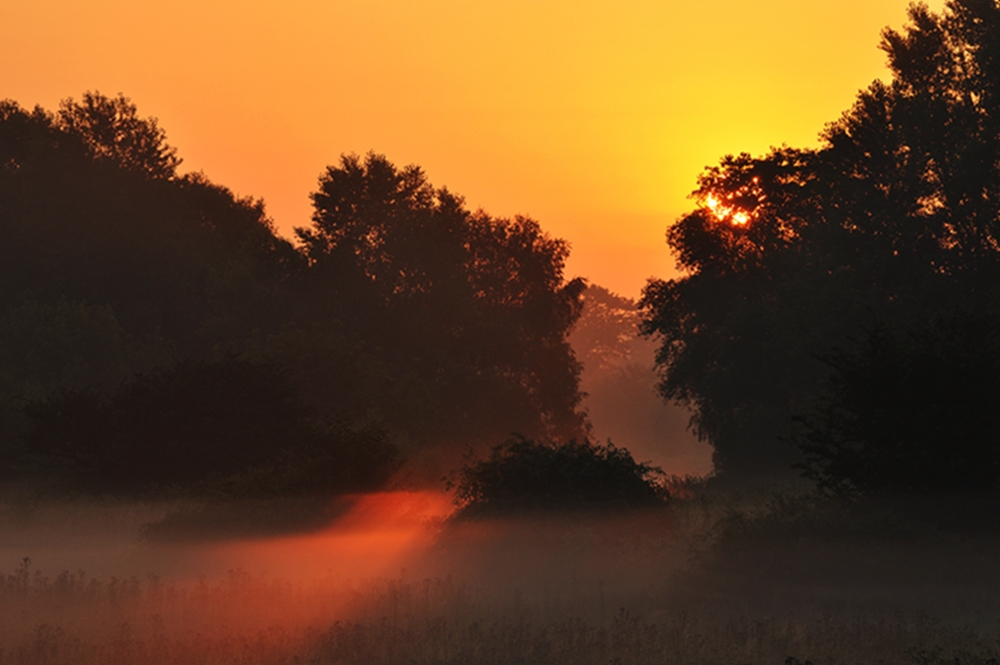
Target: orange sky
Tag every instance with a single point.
(594, 117)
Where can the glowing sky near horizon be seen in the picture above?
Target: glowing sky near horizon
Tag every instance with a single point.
(594, 117)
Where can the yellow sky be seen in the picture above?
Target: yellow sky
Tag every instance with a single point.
(594, 117)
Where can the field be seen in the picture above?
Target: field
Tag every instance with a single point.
(714, 581)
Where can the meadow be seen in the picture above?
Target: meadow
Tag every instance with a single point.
(713, 580)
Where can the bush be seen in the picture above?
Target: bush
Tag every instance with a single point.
(522, 476)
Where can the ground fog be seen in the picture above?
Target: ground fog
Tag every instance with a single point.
(388, 578)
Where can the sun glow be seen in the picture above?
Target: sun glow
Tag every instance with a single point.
(374, 537)
(725, 213)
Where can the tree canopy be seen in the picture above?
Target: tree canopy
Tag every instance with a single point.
(476, 306)
(131, 294)
(910, 411)
(891, 221)
(111, 129)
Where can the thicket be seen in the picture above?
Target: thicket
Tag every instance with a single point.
(228, 425)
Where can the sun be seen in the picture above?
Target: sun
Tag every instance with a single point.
(726, 213)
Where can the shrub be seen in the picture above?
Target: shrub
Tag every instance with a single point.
(522, 475)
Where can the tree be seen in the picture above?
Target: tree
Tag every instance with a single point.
(471, 312)
(401, 310)
(894, 218)
(92, 210)
(228, 424)
(112, 264)
(910, 411)
(606, 337)
(620, 385)
(112, 130)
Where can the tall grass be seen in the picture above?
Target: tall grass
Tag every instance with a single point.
(714, 580)
(76, 619)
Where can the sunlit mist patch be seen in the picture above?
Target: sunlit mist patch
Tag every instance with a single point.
(373, 536)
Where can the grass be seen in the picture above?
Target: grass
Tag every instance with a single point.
(74, 619)
(712, 581)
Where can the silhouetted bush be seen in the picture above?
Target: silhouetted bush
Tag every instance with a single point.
(522, 475)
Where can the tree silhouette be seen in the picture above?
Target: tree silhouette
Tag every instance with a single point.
(230, 423)
(112, 130)
(402, 312)
(92, 212)
(893, 219)
(476, 307)
(606, 337)
(910, 411)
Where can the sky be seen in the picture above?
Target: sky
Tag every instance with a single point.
(593, 117)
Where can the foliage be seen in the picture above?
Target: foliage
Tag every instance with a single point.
(231, 422)
(619, 384)
(606, 336)
(66, 346)
(892, 219)
(401, 311)
(91, 211)
(911, 411)
(111, 129)
(114, 265)
(524, 476)
(474, 306)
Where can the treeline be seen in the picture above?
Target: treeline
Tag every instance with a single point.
(156, 332)
(840, 309)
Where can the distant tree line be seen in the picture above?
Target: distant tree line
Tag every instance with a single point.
(156, 332)
(839, 307)
(619, 382)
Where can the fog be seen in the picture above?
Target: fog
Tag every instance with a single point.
(619, 384)
(390, 578)
(624, 407)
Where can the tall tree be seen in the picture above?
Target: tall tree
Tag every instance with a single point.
(911, 411)
(892, 219)
(475, 308)
(92, 210)
(111, 129)
(400, 309)
(111, 263)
